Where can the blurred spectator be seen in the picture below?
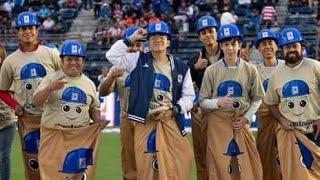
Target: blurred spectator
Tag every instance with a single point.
(60, 26)
(242, 7)
(48, 25)
(114, 33)
(131, 20)
(99, 35)
(106, 22)
(228, 17)
(8, 6)
(310, 51)
(182, 17)
(32, 10)
(104, 11)
(254, 21)
(71, 4)
(116, 11)
(269, 15)
(96, 7)
(85, 4)
(160, 6)
(44, 12)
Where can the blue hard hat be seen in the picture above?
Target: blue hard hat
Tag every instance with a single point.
(159, 27)
(232, 87)
(129, 31)
(27, 19)
(205, 22)
(77, 161)
(32, 71)
(72, 48)
(228, 31)
(74, 95)
(295, 88)
(265, 34)
(289, 36)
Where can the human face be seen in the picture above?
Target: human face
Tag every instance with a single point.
(158, 43)
(137, 46)
(28, 35)
(292, 53)
(208, 36)
(268, 48)
(230, 49)
(72, 65)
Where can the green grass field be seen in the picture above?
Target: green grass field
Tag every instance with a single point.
(109, 165)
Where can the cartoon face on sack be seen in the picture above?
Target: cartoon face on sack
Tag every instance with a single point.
(235, 91)
(31, 76)
(296, 96)
(73, 100)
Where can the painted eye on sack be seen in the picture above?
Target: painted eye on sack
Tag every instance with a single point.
(290, 105)
(303, 103)
(33, 164)
(160, 98)
(66, 108)
(78, 110)
(236, 105)
(28, 86)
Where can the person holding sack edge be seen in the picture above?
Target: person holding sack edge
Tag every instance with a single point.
(266, 42)
(231, 93)
(119, 80)
(161, 92)
(210, 53)
(21, 73)
(68, 143)
(293, 98)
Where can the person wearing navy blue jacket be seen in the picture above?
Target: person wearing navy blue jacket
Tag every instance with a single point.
(161, 92)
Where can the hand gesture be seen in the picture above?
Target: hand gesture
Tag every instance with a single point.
(57, 84)
(104, 123)
(138, 35)
(18, 110)
(286, 124)
(225, 102)
(116, 72)
(201, 62)
(317, 127)
(239, 123)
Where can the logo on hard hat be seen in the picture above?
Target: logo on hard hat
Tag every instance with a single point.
(158, 27)
(26, 19)
(265, 34)
(74, 49)
(226, 31)
(290, 35)
(205, 22)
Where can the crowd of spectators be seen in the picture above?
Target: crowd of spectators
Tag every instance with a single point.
(49, 11)
(115, 16)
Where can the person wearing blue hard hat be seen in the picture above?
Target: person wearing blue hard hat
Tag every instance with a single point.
(293, 98)
(266, 42)
(230, 94)
(160, 93)
(21, 73)
(206, 27)
(137, 45)
(69, 100)
(119, 80)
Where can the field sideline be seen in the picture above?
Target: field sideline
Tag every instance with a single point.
(109, 166)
